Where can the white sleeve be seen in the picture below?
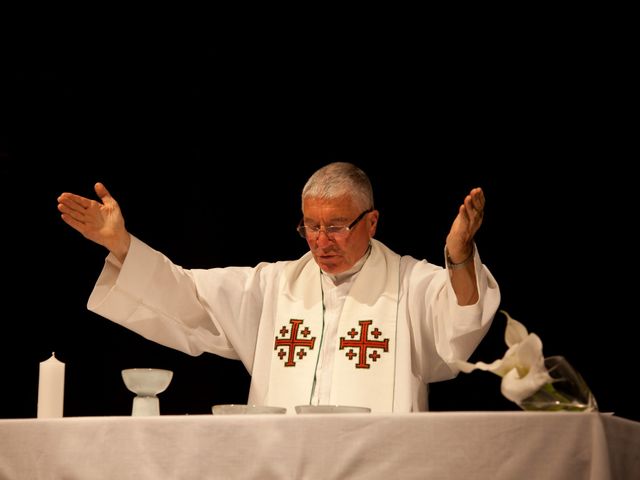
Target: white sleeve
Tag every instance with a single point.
(443, 330)
(161, 301)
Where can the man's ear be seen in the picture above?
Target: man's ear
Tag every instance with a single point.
(373, 222)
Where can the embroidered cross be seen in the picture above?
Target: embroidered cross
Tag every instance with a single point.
(293, 341)
(363, 343)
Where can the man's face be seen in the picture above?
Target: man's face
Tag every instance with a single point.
(337, 253)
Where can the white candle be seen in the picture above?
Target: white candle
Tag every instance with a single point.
(51, 388)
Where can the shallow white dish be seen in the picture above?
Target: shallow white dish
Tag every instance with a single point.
(331, 409)
(236, 409)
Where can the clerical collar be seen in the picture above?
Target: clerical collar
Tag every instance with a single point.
(341, 277)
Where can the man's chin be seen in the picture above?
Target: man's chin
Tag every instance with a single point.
(332, 268)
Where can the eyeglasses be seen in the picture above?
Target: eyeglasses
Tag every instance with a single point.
(332, 231)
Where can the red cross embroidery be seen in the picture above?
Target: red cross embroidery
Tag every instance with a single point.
(363, 343)
(293, 341)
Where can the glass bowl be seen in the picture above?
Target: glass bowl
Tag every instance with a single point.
(146, 383)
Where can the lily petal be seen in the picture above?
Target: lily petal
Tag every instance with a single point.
(467, 367)
(517, 388)
(515, 331)
(529, 354)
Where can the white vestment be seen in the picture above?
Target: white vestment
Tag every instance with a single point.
(233, 312)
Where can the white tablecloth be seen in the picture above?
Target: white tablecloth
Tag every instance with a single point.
(434, 445)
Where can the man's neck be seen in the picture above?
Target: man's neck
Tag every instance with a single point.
(339, 278)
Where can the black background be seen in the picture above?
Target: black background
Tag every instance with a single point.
(207, 152)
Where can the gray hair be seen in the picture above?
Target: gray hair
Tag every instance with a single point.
(338, 179)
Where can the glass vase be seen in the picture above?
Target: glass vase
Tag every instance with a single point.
(566, 392)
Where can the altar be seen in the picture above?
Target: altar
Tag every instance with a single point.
(433, 445)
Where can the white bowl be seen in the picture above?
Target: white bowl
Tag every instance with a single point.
(331, 409)
(147, 382)
(235, 409)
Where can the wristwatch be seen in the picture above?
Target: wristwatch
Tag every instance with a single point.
(456, 266)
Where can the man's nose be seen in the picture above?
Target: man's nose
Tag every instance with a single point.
(323, 239)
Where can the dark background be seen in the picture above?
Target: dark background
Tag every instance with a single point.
(207, 152)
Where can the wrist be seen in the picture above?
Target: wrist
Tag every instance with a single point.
(120, 248)
(451, 265)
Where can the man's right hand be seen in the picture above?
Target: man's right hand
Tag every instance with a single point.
(101, 222)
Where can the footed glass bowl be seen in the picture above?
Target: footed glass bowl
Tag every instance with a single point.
(146, 383)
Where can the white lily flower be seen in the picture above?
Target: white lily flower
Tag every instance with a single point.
(522, 368)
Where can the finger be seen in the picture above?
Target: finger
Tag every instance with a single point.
(102, 192)
(69, 220)
(473, 211)
(73, 201)
(71, 208)
(477, 196)
(464, 214)
(476, 203)
(467, 218)
(77, 214)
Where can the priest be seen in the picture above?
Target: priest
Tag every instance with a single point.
(351, 322)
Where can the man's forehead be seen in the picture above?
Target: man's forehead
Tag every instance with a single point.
(335, 208)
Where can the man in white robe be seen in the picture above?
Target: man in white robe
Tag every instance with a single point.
(351, 322)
